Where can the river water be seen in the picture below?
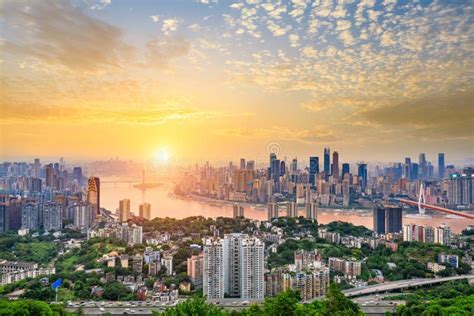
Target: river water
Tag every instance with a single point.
(165, 205)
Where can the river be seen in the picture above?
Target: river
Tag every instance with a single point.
(164, 205)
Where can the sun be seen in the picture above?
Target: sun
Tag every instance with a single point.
(163, 155)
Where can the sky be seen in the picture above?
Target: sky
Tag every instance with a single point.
(220, 80)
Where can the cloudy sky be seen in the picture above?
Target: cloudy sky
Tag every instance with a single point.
(373, 79)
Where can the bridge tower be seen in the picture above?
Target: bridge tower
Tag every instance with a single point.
(421, 199)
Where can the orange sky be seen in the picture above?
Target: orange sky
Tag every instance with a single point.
(222, 80)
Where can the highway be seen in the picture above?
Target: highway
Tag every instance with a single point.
(398, 285)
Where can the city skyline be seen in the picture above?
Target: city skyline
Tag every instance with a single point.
(219, 79)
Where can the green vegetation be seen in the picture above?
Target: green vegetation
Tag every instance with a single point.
(296, 226)
(285, 304)
(411, 259)
(447, 290)
(31, 307)
(25, 248)
(197, 224)
(346, 229)
(454, 306)
(87, 255)
(452, 298)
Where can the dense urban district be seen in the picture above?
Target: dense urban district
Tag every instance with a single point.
(61, 253)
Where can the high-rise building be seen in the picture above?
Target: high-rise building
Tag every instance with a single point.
(233, 265)
(460, 189)
(327, 161)
(77, 174)
(272, 211)
(362, 173)
(49, 175)
(232, 269)
(294, 170)
(145, 210)
(422, 166)
(345, 169)
(52, 219)
(335, 165)
(250, 165)
(442, 235)
(242, 164)
(167, 262)
(252, 269)
(124, 210)
(238, 211)
(441, 166)
(313, 169)
(387, 219)
(36, 168)
(311, 211)
(82, 214)
(272, 164)
(291, 210)
(93, 193)
(213, 268)
(195, 269)
(30, 216)
(393, 218)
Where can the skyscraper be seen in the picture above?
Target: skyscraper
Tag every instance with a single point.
(272, 164)
(233, 265)
(362, 173)
(252, 269)
(313, 169)
(49, 175)
(52, 219)
(93, 193)
(294, 170)
(335, 165)
(242, 164)
(422, 165)
(145, 210)
(83, 214)
(387, 218)
(327, 160)
(441, 166)
(195, 269)
(213, 268)
(311, 211)
(77, 174)
(345, 169)
(124, 210)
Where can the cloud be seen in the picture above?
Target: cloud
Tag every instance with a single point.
(160, 51)
(57, 33)
(169, 25)
(293, 40)
(140, 115)
(437, 116)
(101, 4)
(155, 18)
(278, 133)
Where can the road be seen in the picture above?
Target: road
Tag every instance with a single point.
(398, 285)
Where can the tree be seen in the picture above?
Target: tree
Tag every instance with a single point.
(284, 304)
(336, 303)
(116, 291)
(25, 308)
(197, 306)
